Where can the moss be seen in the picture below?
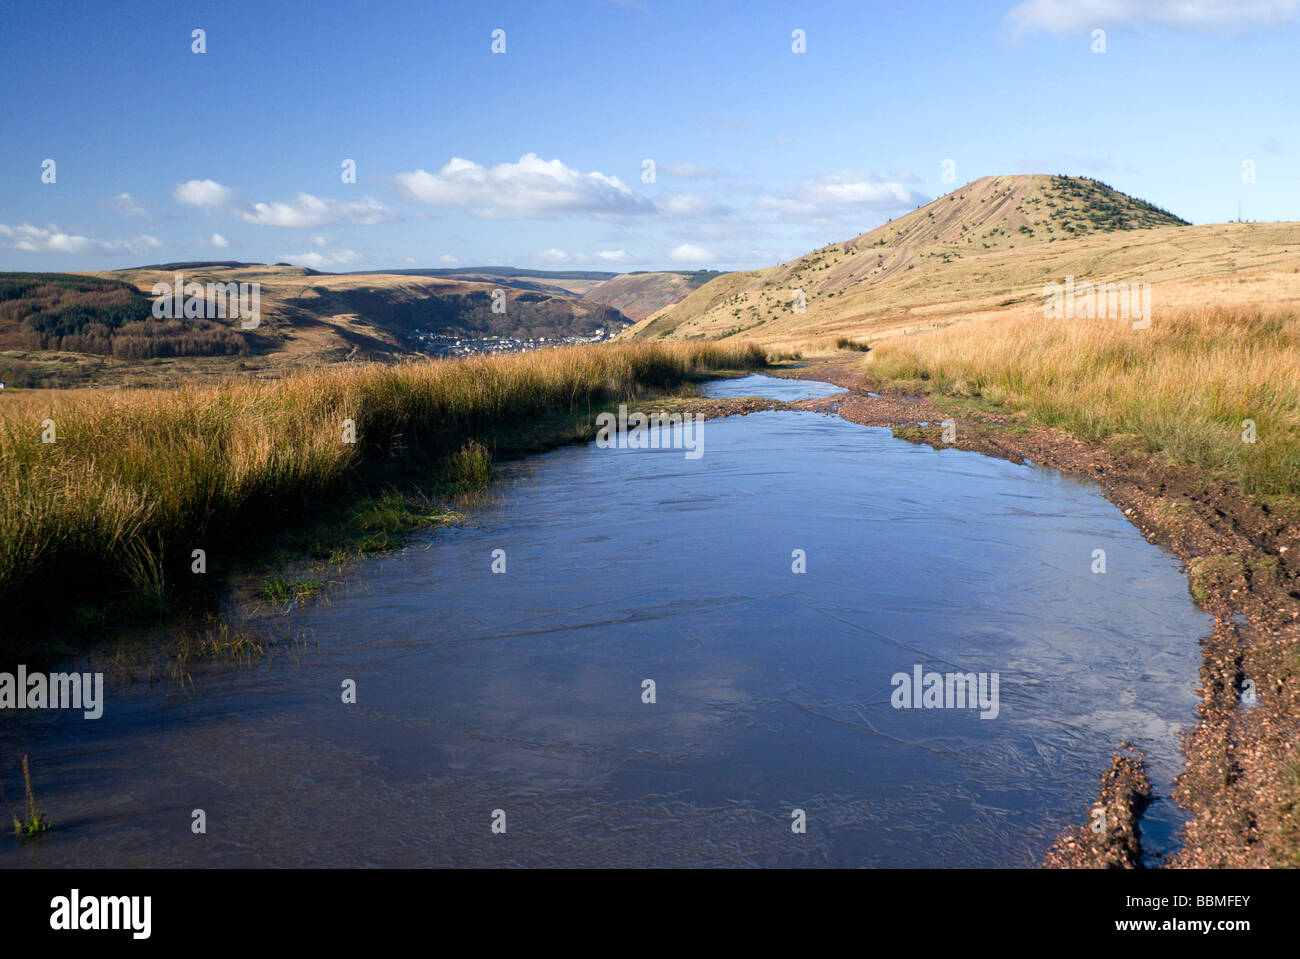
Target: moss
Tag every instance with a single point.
(1215, 576)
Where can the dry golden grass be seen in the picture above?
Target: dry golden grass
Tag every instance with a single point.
(984, 249)
(135, 480)
(1184, 387)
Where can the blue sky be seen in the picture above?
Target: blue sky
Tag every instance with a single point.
(535, 157)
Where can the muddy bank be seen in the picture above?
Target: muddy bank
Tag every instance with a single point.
(1241, 785)
(1112, 839)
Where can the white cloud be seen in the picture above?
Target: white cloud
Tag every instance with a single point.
(320, 261)
(128, 205)
(205, 194)
(689, 253)
(529, 189)
(839, 189)
(306, 211)
(1069, 16)
(50, 239)
(448, 260)
(846, 193)
(557, 257)
(220, 241)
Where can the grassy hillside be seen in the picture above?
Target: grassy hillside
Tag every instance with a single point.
(637, 295)
(107, 317)
(989, 245)
(99, 330)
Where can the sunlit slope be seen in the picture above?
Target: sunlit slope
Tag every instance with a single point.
(637, 295)
(329, 316)
(985, 248)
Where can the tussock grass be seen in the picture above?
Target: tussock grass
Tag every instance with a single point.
(468, 469)
(1183, 388)
(282, 592)
(137, 480)
(224, 643)
(396, 513)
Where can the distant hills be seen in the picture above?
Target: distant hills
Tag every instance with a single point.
(502, 271)
(984, 249)
(81, 329)
(637, 295)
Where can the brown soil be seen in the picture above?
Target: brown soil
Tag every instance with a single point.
(1111, 840)
(1241, 784)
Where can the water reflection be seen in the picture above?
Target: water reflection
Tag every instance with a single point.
(770, 387)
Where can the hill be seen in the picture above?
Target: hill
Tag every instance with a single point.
(637, 295)
(78, 313)
(570, 281)
(985, 247)
(83, 329)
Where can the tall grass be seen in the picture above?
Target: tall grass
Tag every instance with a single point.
(1183, 387)
(137, 480)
